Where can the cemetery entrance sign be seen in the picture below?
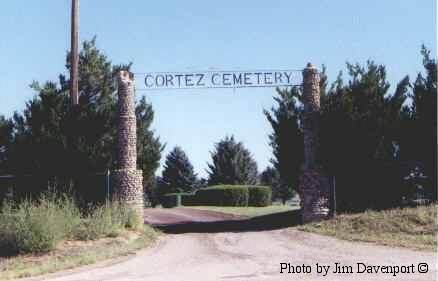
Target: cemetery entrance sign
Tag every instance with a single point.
(313, 187)
(221, 79)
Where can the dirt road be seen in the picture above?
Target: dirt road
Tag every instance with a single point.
(247, 256)
(159, 216)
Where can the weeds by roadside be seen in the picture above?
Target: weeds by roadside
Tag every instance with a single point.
(38, 226)
(415, 228)
(107, 221)
(71, 254)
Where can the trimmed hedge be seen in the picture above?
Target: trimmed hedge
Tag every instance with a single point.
(259, 196)
(189, 200)
(171, 200)
(223, 195)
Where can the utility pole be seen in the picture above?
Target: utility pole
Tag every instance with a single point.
(74, 59)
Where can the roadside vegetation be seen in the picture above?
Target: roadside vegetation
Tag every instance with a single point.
(70, 254)
(414, 228)
(222, 195)
(52, 233)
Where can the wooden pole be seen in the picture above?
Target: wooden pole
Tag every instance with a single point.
(74, 88)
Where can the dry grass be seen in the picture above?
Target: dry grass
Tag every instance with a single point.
(414, 228)
(70, 254)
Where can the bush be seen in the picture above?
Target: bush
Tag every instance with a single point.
(37, 226)
(259, 196)
(107, 221)
(133, 220)
(189, 199)
(223, 195)
(171, 200)
(9, 228)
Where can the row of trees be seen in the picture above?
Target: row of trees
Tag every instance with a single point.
(53, 143)
(232, 164)
(370, 139)
(379, 146)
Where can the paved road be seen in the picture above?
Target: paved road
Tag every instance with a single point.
(251, 256)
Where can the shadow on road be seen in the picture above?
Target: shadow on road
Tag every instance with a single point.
(260, 223)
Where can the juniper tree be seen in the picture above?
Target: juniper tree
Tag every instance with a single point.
(178, 174)
(54, 140)
(5, 140)
(232, 164)
(286, 141)
(359, 141)
(419, 130)
(270, 177)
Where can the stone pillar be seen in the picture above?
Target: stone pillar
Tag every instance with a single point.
(314, 186)
(127, 180)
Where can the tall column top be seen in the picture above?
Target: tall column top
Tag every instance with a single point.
(310, 69)
(125, 78)
(311, 80)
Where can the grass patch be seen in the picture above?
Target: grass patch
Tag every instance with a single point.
(70, 254)
(51, 233)
(414, 228)
(107, 221)
(38, 226)
(248, 211)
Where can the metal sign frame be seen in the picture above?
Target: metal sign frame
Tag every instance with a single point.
(219, 79)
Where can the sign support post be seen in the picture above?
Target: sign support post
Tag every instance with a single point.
(74, 55)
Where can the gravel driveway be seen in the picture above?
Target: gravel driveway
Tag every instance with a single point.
(248, 256)
(158, 216)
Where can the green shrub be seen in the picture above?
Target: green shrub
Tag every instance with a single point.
(189, 199)
(223, 195)
(37, 226)
(230, 195)
(259, 196)
(133, 220)
(8, 230)
(171, 200)
(108, 220)
(101, 222)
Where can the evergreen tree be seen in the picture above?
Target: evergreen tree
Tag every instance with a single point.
(149, 147)
(232, 164)
(178, 174)
(286, 141)
(56, 141)
(5, 140)
(359, 143)
(270, 177)
(419, 130)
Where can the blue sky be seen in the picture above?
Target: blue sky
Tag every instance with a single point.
(198, 35)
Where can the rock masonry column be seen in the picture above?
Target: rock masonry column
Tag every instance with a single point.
(127, 180)
(314, 186)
